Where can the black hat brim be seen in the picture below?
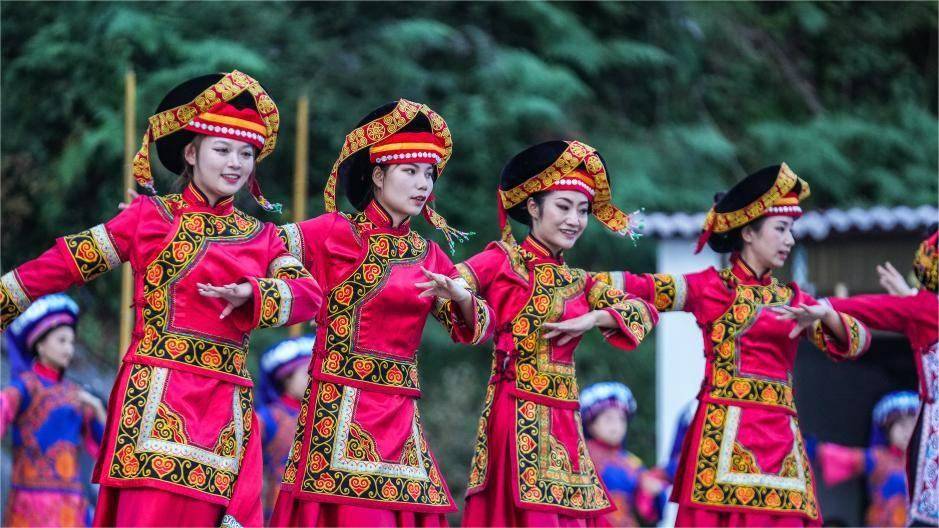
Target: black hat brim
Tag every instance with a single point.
(170, 148)
(523, 166)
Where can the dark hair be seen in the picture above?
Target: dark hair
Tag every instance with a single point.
(732, 241)
(539, 198)
(186, 175)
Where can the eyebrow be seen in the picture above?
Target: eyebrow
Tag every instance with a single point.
(571, 202)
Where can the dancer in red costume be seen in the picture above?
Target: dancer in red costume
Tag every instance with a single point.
(180, 445)
(531, 466)
(743, 460)
(916, 315)
(360, 457)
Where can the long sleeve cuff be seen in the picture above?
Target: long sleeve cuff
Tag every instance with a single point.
(859, 338)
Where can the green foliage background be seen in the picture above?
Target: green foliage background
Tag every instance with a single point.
(682, 99)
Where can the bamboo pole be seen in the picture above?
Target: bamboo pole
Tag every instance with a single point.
(300, 173)
(130, 113)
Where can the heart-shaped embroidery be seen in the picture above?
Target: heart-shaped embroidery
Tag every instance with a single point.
(176, 347)
(363, 367)
(181, 250)
(395, 376)
(557, 492)
(197, 477)
(716, 417)
(340, 325)
(344, 295)
(324, 426)
(154, 274)
(744, 495)
(325, 482)
(371, 272)
(541, 303)
(317, 463)
(359, 484)
(222, 482)
(329, 393)
(414, 490)
(740, 388)
(539, 382)
(795, 498)
(380, 247)
(87, 252)
(709, 447)
(546, 276)
(773, 500)
(722, 378)
(389, 491)
(714, 495)
(211, 357)
(526, 443)
(769, 394)
(706, 476)
(163, 466)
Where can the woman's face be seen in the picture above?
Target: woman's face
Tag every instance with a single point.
(609, 426)
(560, 220)
(403, 189)
(769, 246)
(56, 349)
(295, 384)
(901, 431)
(221, 166)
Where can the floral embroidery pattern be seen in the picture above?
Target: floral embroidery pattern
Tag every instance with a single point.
(342, 461)
(92, 252)
(195, 231)
(384, 251)
(151, 442)
(545, 474)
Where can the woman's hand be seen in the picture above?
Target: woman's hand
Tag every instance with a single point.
(133, 196)
(892, 281)
(88, 399)
(805, 316)
(571, 328)
(235, 294)
(443, 287)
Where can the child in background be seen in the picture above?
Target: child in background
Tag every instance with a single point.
(284, 377)
(883, 462)
(638, 493)
(52, 418)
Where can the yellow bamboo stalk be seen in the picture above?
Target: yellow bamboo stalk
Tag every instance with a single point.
(130, 134)
(300, 173)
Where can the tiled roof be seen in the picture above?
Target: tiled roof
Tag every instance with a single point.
(816, 225)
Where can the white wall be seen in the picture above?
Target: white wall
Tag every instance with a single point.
(679, 353)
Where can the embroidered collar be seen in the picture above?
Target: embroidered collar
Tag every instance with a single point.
(377, 215)
(745, 274)
(196, 198)
(539, 251)
(47, 373)
(290, 402)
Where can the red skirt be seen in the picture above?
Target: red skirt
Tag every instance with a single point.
(494, 504)
(153, 507)
(291, 511)
(692, 516)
